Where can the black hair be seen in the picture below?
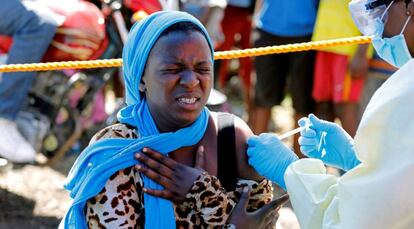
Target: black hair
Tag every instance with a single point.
(377, 3)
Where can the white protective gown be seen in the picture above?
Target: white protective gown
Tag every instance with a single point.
(379, 193)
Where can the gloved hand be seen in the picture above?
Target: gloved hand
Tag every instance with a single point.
(270, 157)
(327, 141)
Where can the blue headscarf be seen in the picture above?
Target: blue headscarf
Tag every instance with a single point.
(105, 157)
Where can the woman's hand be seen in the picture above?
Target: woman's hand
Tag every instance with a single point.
(176, 178)
(263, 218)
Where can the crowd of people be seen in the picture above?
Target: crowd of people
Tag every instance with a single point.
(172, 163)
(329, 82)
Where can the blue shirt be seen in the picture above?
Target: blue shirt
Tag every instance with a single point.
(288, 18)
(240, 3)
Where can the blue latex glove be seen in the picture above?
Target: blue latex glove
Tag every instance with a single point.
(327, 141)
(270, 157)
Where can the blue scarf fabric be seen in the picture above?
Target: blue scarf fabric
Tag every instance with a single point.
(105, 157)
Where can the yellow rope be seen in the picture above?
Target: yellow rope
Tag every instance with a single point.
(218, 55)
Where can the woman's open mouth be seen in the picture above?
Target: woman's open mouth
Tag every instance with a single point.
(188, 102)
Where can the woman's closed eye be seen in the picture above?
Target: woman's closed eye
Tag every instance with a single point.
(172, 70)
(203, 70)
(176, 70)
(203, 67)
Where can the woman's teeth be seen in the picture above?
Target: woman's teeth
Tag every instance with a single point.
(188, 100)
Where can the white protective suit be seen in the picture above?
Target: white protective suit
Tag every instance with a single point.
(378, 193)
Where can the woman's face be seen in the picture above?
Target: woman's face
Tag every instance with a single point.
(397, 16)
(177, 79)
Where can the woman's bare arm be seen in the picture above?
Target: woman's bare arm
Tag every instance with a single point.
(243, 132)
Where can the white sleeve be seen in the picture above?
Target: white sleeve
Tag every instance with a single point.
(311, 191)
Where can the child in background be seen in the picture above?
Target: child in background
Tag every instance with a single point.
(339, 71)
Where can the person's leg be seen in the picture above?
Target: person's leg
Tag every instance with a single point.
(32, 35)
(346, 98)
(261, 118)
(347, 112)
(302, 70)
(271, 71)
(373, 81)
(379, 71)
(325, 111)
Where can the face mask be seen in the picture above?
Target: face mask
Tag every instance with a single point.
(394, 50)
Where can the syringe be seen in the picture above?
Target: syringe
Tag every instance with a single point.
(290, 133)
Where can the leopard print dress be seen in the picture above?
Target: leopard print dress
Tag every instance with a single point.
(120, 204)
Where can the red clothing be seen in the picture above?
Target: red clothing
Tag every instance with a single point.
(236, 21)
(332, 80)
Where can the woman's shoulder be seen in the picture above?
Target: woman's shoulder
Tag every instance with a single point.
(118, 130)
(241, 133)
(238, 122)
(242, 130)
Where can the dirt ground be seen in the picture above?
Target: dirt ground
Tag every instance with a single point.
(32, 196)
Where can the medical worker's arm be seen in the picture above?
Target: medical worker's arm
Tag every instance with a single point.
(270, 157)
(327, 141)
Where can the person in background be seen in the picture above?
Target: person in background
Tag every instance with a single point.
(379, 71)
(339, 71)
(237, 27)
(281, 22)
(210, 13)
(32, 28)
(376, 191)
